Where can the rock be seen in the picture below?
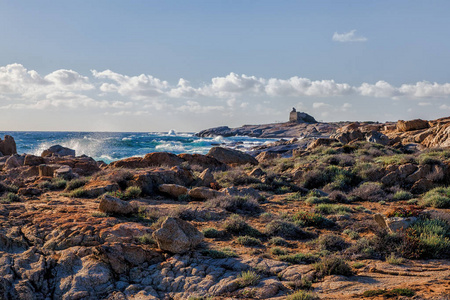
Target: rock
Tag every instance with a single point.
(421, 186)
(58, 150)
(203, 193)
(157, 159)
(96, 188)
(390, 179)
(321, 142)
(395, 223)
(268, 288)
(231, 157)
(29, 191)
(11, 163)
(64, 172)
(177, 236)
(113, 205)
(8, 146)
(204, 161)
(242, 192)
(257, 172)
(207, 178)
(349, 136)
(403, 126)
(406, 170)
(174, 190)
(398, 223)
(266, 156)
(47, 170)
(378, 138)
(130, 163)
(33, 160)
(439, 138)
(421, 172)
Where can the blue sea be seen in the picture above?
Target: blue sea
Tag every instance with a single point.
(111, 146)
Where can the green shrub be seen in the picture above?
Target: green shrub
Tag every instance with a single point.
(389, 294)
(218, 254)
(304, 218)
(278, 241)
(402, 195)
(248, 241)
(332, 265)
(351, 234)
(99, 214)
(370, 191)
(278, 251)
(398, 159)
(331, 242)
(248, 278)
(76, 183)
(10, 197)
(316, 200)
(285, 229)
(298, 258)
(301, 295)
(394, 259)
(438, 197)
(434, 234)
(132, 192)
(332, 209)
(317, 178)
(236, 225)
(146, 239)
(78, 193)
(235, 204)
(212, 233)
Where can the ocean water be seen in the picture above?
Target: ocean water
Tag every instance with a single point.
(111, 146)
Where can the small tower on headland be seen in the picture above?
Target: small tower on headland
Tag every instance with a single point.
(300, 117)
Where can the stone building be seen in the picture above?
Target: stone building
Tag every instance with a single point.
(300, 117)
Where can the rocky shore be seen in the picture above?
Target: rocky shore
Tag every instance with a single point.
(337, 211)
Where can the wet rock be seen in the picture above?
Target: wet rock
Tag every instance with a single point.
(231, 157)
(203, 193)
(8, 145)
(58, 150)
(112, 205)
(173, 190)
(177, 236)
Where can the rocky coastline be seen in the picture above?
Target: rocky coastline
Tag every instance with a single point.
(332, 211)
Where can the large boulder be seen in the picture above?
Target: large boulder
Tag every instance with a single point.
(321, 142)
(58, 150)
(440, 138)
(203, 193)
(231, 156)
(203, 161)
(157, 159)
(130, 163)
(377, 137)
(173, 190)
(403, 126)
(177, 236)
(8, 146)
(113, 205)
(33, 160)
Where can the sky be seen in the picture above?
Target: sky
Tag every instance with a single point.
(109, 65)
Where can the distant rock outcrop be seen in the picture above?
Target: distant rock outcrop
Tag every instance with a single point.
(58, 150)
(8, 146)
(300, 117)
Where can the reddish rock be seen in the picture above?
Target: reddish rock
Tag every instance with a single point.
(203, 193)
(157, 159)
(232, 157)
(33, 160)
(321, 142)
(130, 163)
(113, 205)
(8, 145)
(203, 161)
(403, 126)
(173, 190)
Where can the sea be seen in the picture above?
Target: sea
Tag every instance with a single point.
(112, 146)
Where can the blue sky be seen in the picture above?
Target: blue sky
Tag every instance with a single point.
(117, 65)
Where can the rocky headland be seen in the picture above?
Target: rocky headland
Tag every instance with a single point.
(337, 211)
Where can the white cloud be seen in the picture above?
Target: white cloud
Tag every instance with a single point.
(444, 106)
(348, 37)
(424, 104)
(320, 105)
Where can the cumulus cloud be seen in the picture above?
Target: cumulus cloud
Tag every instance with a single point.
(113, 92)
(348, 37)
